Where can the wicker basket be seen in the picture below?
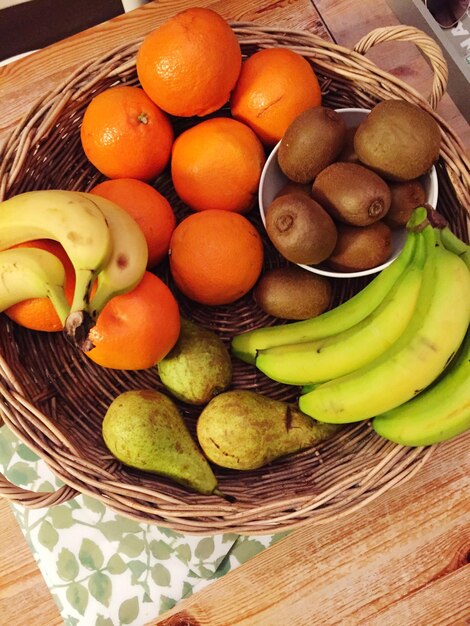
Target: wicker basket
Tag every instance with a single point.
(54, 398)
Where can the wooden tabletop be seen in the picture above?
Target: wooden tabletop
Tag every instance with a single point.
(402, 560)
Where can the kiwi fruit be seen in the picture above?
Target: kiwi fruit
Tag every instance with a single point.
(398, 139)
(406, 196)
(352, 193)
(291, 187)
(292, 293)
(361, 248)
(300, 229)
(348, 153)
(312, 141)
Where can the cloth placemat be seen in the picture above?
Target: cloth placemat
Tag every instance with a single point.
(104, 569)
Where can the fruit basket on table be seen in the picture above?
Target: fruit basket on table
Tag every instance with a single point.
(54, 398)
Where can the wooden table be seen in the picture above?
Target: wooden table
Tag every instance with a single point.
(403, 560)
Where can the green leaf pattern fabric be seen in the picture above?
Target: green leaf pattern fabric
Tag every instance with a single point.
(104, 569)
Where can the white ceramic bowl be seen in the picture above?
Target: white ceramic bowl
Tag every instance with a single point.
(272, 180)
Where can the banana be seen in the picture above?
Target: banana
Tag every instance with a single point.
(65, 216)
(452, 242)
(32, 273)
(128, 259)
(340, 354)
(416, 359)
(246, 345)
(439, 413)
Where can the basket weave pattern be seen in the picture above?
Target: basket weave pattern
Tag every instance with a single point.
(54, 398)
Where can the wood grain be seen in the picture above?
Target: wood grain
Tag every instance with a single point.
(348, 25)
(24, 596)
(24, 81)
(373, 567)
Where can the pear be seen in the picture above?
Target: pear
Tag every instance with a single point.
(198, 367)
(144, 429)
(245, 430)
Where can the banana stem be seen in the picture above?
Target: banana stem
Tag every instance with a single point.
(83, 283)
(453, 243)
(426, 215)
(77, 327)
(57, 297)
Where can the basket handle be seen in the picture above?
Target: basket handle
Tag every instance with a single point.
(33, 499)
(428, 47)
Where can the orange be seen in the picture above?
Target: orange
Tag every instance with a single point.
(151, 211)
(137, 329)
(189, 65)
(215, 256)
(39, 313)
(125, 135)
(217, 164)
(274, 86)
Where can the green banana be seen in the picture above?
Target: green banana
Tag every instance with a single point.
(246, 345)
(416, 359)
(452, 242)
(448, 239)
(440, 412)
(340, 354)
(32, 273)
(67, 217)
(128, 260)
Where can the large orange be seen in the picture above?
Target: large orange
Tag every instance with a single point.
(215, 256)
(137, 329)
(190, 64)
(274, 86)
(39, 313)
(217, 164)
(125, 135)
(151, 211)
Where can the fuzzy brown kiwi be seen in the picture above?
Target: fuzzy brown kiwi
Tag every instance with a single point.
(292, 187)
(300, 229)
(312, 141)
(292, 293)
(352, 193)
(398, 139)
(348, 153)
(361, 248)
(406, 196)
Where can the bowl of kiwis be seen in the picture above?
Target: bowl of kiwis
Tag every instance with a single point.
(337, 190)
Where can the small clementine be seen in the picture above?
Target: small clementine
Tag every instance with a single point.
(274, 86)
(39, 313)
(189, 65)
(216, 256)
(152, 212)
(125, 135)
(137, 329)
(217, 164)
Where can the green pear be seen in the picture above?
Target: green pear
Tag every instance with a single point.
(198, 367)
(245, 430)
(144, 429)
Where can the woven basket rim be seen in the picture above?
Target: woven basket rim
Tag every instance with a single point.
(355, 485)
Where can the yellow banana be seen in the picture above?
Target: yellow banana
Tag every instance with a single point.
(68, 217)
(246, 345)
(32, 273)
(416, 359)
(440, 412)
(128, 259)
(340, 354)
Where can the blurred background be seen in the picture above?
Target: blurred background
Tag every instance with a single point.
(26, 25)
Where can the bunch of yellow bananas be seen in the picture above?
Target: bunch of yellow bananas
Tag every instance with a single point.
(397, 352)
(103, 242)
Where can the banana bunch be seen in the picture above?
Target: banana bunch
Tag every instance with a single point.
(103, 242)
(396, 353)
